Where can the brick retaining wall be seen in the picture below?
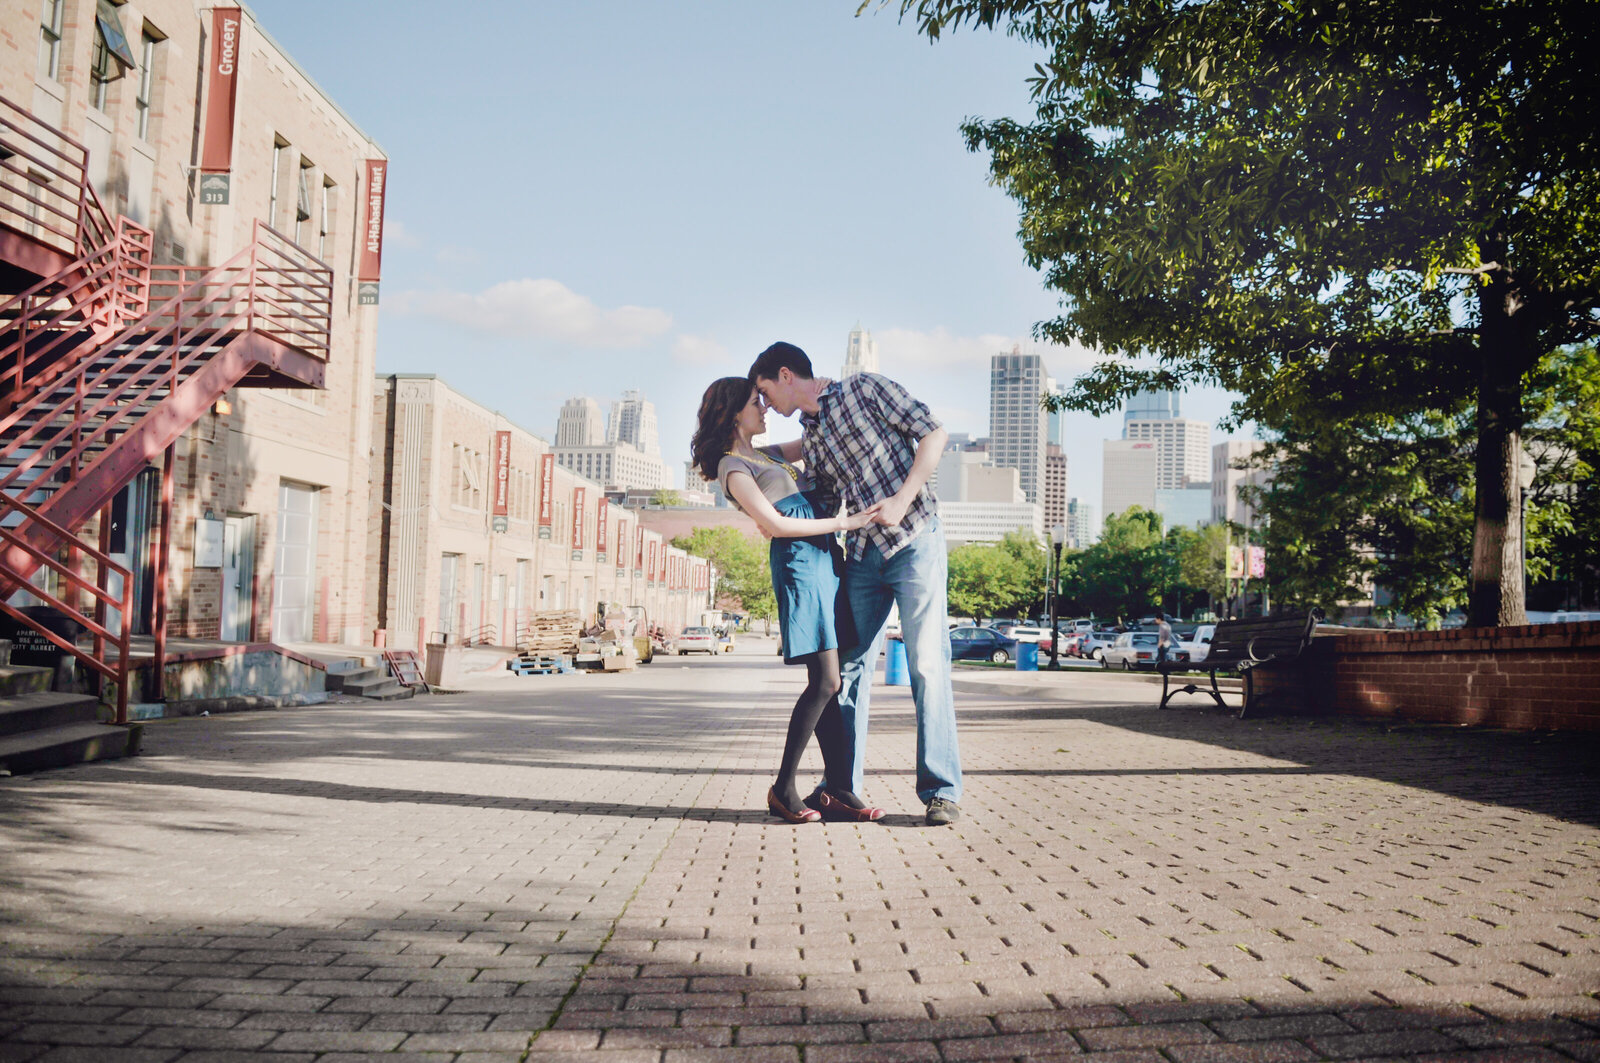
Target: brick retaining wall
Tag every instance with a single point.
(1544, 676)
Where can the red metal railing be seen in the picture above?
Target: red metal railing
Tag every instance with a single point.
(96, 295)
(44, 185)
(271, 287)
(69, 601)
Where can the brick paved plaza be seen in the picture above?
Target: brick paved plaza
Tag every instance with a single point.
(582, 865)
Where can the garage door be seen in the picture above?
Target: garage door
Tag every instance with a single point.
(294, 574)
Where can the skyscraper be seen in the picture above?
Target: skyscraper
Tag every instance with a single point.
(1130, 475)
(633, 420)
(860, 353)
(1183, 447)
(1017, 425)
(1055, 486)
(580, 424)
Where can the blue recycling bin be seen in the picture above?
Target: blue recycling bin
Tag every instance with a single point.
(896, 672)
(1027, 656)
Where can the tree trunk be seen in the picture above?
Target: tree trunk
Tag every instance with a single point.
(1496, 594)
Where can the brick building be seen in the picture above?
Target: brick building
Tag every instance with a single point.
(472, 525)
(199, 128)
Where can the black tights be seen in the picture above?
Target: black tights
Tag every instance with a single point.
(817, 712)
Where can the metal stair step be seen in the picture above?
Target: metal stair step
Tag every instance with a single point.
(59, 747)
(37, 710)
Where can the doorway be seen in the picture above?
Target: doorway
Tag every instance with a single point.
(294, 574)
(238, 578)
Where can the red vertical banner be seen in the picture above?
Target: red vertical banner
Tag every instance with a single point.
(622, 544)
(601, 508)
(222, 75)
(369, 263)
(577, 523)
(502, 474)
(650, 568)
(547, 473)
(638, 563)
(661, 576)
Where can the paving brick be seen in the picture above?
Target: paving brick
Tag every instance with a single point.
(1242, 1052)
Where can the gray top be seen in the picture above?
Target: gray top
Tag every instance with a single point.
(775, 477)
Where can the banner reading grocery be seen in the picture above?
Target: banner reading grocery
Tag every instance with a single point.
(650, 567)
(547, 472)
(222, 71)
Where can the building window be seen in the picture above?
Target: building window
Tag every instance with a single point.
(50, 39)
(147, 80)
(278, 148)
(325, 222)
(102, 71)
(302, 200)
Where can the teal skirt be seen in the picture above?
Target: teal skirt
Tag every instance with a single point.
(813, 614)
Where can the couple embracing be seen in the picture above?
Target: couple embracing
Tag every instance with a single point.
(869, 446)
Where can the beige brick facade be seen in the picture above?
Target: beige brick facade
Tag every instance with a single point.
(236, 465)
(436, 563)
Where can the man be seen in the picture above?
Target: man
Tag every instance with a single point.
(1163, 638)
(867, 441)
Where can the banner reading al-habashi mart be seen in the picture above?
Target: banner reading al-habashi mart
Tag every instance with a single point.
(370, 264)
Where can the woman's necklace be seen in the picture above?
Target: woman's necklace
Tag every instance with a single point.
(757, 455)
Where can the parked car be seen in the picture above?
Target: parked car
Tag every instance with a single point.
(1198, 645)
(1039, 635)
(981, 644)
(1095, 643)
(1137, 649)
(695, 640)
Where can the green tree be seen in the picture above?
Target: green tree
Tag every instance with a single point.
(1337, 209)
(666, 498)
(1200, 566)
(742, 570)
(985, 580)
(1128, 571)
(1033, 571)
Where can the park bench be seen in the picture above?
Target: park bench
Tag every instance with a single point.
(1242, 645)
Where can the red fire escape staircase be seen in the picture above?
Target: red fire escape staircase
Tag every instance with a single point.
(106, 360)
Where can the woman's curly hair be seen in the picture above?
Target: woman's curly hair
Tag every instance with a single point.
(714, 435)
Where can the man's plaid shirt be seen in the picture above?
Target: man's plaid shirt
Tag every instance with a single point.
(860, 445)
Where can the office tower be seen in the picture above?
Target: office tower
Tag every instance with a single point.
(1016, 423)
(633, 420)
(1130, 475)
(580, 424)
(1081, 528)
(1151, 406)
(1056, 420)
(1226, 480)
(1055, 485)
(860, 353)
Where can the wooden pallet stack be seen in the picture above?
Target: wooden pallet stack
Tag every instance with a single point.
(550, 633)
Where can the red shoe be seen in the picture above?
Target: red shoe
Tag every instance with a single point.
(780, 810)
(834, 809)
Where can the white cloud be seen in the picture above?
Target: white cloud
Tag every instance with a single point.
(539, 309)
(903, 350)
(395, 233)
(698, 350)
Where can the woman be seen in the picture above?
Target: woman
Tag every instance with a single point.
(812, 618)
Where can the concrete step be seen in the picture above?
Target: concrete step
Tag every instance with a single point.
(380, 687)
(19, 679)
(43, 709)
(341, 674)
(60, 747)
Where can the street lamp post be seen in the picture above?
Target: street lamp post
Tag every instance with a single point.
(1057, 535)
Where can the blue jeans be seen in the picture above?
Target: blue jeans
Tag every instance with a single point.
(915, 579)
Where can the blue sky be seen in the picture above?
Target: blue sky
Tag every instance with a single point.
(590, 197)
